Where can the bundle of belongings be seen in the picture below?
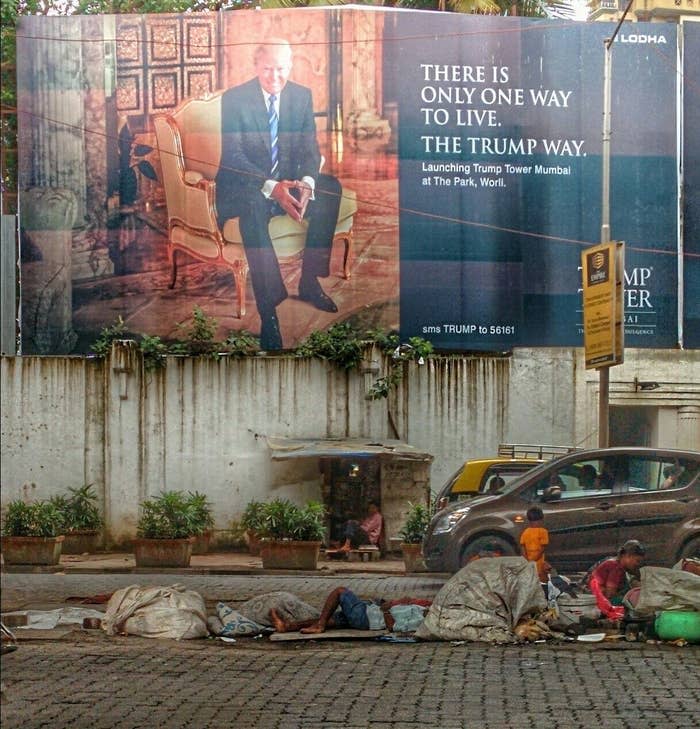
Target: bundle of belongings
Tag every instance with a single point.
(253, 616)
(156, 612)
(486, 601)
(175, 612)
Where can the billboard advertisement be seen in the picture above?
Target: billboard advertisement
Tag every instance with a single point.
(433, 173)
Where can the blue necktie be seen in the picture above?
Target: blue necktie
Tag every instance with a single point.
(273, 120)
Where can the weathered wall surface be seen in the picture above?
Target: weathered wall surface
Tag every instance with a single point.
(201, 424)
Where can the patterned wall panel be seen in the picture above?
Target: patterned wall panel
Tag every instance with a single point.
(200, 42)
(164, 42)
(161, 60)
(129, 96)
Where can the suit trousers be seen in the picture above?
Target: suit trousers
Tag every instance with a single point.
(265, 275)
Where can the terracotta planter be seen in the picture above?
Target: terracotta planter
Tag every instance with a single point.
(413, 557)
(201, 543)
(32, 550)
(79, 542)
(254, 543)
(289, 555)
(163, 552)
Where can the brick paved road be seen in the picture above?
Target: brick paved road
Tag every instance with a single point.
(91, 681)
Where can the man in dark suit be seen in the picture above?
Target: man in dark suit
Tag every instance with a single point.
(270, 166)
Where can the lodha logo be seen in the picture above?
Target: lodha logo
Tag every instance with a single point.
(642, 38)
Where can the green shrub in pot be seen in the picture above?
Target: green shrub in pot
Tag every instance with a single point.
(283, 520)
(170, 515)
(32, 533)
(415, 525)
(253, 519)
(202, 512)
(80, 509)
(37, 519)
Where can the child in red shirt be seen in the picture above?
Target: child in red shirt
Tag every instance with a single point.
(533, 541)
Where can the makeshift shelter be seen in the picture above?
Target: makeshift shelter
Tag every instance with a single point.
(355, 471)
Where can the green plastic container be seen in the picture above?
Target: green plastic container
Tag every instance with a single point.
(674, 624)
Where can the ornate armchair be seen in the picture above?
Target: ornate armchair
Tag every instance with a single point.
(189, 143)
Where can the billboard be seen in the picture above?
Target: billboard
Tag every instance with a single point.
(434, 173)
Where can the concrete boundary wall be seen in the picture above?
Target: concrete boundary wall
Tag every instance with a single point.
(202, 424)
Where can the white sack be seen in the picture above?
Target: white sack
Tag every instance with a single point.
(665, 589)
(156, 612)
(484, 601)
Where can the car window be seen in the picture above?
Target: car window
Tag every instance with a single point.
(647, 474)
(615, 475)
(496, 480)
(575, 480)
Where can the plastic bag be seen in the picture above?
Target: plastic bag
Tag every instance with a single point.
(375, 617)
(407, 618)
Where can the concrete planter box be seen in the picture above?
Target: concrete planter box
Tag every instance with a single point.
(80, 542)
(32, 550)
(254, 543)
(289, 555)
(201, 543)
(413, 557)
(163, 552)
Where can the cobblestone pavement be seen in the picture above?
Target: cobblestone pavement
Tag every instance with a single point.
(87, 680)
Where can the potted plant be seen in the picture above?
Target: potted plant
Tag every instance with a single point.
(291, 534)
(32, 533)
(204, 521)
(82, 520)
(412, 533)
(165, 531)
(253, 521)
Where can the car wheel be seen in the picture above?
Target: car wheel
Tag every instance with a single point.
(486, 546)
(691, 549)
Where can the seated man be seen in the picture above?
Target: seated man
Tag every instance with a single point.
(609, 580)
(366, 531)
(588, 478)
(352, 614)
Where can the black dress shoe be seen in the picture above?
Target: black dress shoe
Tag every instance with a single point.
(270, 337)
(311, 292)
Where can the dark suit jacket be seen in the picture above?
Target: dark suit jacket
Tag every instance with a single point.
(245, 148)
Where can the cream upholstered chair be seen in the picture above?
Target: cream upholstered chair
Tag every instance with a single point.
(189, 144)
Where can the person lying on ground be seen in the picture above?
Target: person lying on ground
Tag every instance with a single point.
(612, 578)
(366, 531)
(343, 609)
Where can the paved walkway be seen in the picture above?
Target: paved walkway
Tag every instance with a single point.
(86, 680)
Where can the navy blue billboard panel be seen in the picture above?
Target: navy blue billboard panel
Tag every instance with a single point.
(691, 197)
(287, 170)
(500, 178)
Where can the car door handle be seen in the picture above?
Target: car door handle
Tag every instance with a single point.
(605, 506)
(686, 499)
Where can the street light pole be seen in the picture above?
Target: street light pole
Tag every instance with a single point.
(604, 372)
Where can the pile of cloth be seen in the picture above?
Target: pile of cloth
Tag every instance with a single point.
(485, 601)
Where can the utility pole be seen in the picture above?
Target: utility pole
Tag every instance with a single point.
(604, 372)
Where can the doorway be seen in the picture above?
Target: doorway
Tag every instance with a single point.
(633, 425)
(354, 482)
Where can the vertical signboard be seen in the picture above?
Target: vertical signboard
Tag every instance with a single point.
(602, 269)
